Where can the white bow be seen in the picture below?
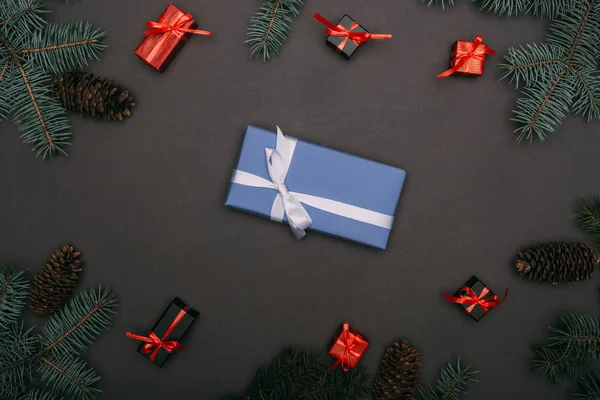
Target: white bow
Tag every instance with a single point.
(290, 203)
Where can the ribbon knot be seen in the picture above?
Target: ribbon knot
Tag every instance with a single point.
(477, 52)
(153, 343)
(340, 31)
(349, 342)
(468, 297)
(177, 28)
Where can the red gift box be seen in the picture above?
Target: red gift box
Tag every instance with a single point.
(468, 58)
(348, 348)
(166, 37)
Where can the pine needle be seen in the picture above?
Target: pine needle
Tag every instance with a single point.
(453, 383)
(588, 218)
(442, 3)
(561, 75)
(269, 27)
(36, 394)
(576, 342)
(14, 291)
(29, 53)
(590, 384)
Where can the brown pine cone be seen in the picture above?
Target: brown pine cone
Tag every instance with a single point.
(86, 93)
(399, 373)
(55, 282)
(557, 262)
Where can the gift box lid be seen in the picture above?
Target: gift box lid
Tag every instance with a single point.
(319, 171)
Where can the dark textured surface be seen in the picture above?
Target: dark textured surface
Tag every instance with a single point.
(143, 200)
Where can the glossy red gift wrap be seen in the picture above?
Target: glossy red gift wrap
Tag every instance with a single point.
(468, 58)
(166, 37)
(348, 348)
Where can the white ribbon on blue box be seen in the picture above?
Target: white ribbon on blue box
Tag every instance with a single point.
(316, 188)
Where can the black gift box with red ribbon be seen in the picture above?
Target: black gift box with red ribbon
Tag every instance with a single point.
(344, 45)
(167, 332)
(475, 298)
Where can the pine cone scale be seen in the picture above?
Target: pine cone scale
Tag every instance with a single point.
(55, 281)
(86, 93)
(557, 262)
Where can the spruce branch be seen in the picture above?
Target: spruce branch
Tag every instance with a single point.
(576, 342)
(36, 394)
(506, 7)
(560, 75)
(590, 384)
(301, 374)
(63, 47)
(588, 218)
(453, 383)
(29, 53)
(37, 112)
(442, 3)
(79, 323)
(269, 27)
(18, 347)
(14, 291)
(20, 15)
(70, 376)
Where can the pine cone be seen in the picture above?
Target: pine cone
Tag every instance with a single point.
(56, 280)
(86, 93)
(560, 262)
(399, 373)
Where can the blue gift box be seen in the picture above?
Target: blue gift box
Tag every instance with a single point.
(366, 188)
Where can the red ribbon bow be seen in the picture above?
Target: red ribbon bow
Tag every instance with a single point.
(349, 340)
(462, 59)
(356, 37)
(163, 26)
(154, 344)
(471, 298)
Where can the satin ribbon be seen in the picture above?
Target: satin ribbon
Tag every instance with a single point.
(348, 341)
(290, 204)
(154, 343)
(471, 298)
(462, 59)
(339, 31)
(162, 26)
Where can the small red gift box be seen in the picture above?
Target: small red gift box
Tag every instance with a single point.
(348, 348)
(166, 37)
(468, 58)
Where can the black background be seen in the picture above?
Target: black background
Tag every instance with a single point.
(143, 200)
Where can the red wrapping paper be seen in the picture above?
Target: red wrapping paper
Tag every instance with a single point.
(348, 348)
(167, 37)
(468, 58)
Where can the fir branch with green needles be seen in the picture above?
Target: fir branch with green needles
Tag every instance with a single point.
(270, 26)
(576, 342)
(302, 374)
(453, 383)
(53, 356)
(37, 394)
(30, 52)
(559, 76)
(590, 386)
(442, 3)
(588, 218)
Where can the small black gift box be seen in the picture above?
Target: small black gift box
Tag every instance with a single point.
(166, 335)
(343, 44)
(475, 298)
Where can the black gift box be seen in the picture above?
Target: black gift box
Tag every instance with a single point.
(350, 47)
(163, 324)
(476, 286)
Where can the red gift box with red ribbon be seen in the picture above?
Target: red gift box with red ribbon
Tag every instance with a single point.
(348, 348)
(166, 37)
(468, 58)
(475, 298)
(165, 337)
